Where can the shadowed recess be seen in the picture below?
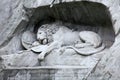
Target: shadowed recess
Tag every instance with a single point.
(84, 12)
(93, 14)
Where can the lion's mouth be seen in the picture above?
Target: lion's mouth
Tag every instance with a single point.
(43, 41)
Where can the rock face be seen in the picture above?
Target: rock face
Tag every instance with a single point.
(28, 59)
(19, 16)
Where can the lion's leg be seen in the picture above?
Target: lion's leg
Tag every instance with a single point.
(82, 44)
(48, 50)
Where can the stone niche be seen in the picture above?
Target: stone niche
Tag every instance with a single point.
(79, 16)
(82, 15)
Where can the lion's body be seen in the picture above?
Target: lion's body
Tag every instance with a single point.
(64, 36)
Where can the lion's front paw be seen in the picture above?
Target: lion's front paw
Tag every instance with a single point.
(41, 57)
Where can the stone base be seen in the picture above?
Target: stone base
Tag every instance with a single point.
(46, 73)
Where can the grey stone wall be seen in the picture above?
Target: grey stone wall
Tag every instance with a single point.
(13, 20)
(45, 74)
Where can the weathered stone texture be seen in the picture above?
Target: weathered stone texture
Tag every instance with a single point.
(45, 74)
(13, 21)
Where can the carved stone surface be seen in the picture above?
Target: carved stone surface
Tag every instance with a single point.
(17, 19)
(28, 59)
(65, 37)
(27, 39)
